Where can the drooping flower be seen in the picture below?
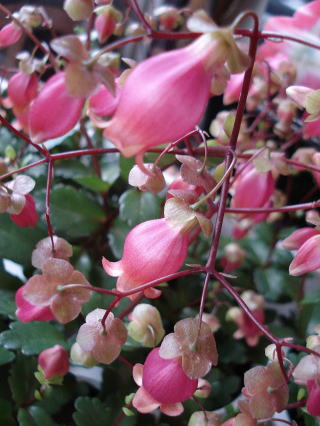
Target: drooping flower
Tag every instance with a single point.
(54, 112)
(161, 249)
(47, 290)
(103, 343)
(28, 217)
(266, 389)
(105, 21)
(295, 240)
(22, 88)
(165, 96)
(145, 325)
(54, 362)
(246, 327)
(196, 347)
(163, 384)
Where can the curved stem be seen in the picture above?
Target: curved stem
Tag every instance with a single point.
(283, 209)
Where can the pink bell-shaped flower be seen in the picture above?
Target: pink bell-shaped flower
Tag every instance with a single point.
(163, 384)
(54, 362)
(161, 249)
(27, 312)
(28, 217)
(313, 401)
(54, 112)
(9, 34)
(165, 96)
(307, 258)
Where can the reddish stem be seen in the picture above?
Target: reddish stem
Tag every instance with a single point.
(292, 208)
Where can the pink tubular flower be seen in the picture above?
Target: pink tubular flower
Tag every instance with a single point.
(307, 258)
(28, 217)
(54, 112)
(102, 103)
(27, 312)
(9, 34)
(165, 96)
(47, 290)
(160, 249)
(163, 384)
(54, 362)
(103, 345)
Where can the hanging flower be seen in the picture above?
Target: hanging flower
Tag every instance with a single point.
(161, 249)
(163, 384)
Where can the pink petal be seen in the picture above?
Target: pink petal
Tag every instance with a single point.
(172, 409)
(144, 402)
(65, 308)
(38, 291)
(137, 373)
(27, 312)
(57, 271)
(114, 269)
(54, 111)
(86, 337)
(28, 217)
(170, 347)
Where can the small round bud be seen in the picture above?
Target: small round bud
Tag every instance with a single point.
(78, 9)
(54, 362)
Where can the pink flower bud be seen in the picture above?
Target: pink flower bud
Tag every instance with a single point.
(105, 22)
(153, 182)
(160, 248)
(252, 188)
(295, 240)
(184, 191)
(165, 96)
(146, 325)
(78, 9)
(102, 103)
(28, 217)
(54, 362)
(307, 258)
(9, 34)
(54, 111)
(233, 257)
(22, 88)
(169, 17)
(165, 379)
(27, 312)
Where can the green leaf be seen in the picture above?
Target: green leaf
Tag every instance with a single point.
(91, 412)
(110, 168)
(93, 182)
(311, 298)
(74, 213)
(32, 337)
(126, 165)
(6, 356)
(6, 417)
(21, 380)
(72, 168)
(270, 282)
(137, 206)
(7, 303)
(117, 234)
(16, 242)
(34, 416)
